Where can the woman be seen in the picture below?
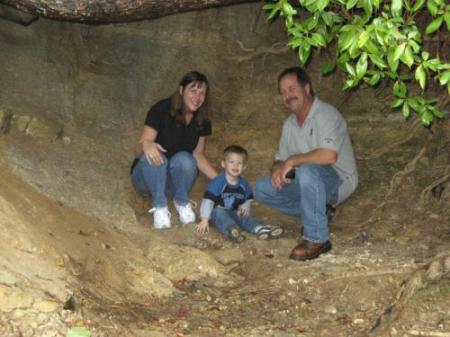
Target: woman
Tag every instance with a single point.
(171, 149)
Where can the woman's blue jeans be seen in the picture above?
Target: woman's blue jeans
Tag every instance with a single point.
(223, 219)
(173, 178)
(306, 197)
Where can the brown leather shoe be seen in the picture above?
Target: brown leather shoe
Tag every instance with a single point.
(308, 250)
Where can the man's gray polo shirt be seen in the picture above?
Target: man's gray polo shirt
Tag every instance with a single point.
(323, 128)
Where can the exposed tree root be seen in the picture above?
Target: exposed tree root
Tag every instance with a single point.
(397, 180)
(433, 271)
(388, 148)
(429, 333)
(435, 184)
(252, 53)
(393, 271)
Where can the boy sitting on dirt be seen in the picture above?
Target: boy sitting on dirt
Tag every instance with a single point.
(227, 201)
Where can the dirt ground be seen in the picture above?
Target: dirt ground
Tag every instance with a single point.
(387, 274)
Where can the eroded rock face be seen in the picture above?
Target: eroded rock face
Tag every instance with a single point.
(84, 92)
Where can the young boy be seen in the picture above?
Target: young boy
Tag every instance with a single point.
(227, 201)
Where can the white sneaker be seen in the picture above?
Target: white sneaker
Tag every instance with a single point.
(186, 212)
(161, 217)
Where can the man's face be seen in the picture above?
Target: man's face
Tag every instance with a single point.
(193, 95)
(294, 95)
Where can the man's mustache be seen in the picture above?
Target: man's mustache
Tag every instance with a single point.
(290, 99)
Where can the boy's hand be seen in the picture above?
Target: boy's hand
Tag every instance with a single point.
(202, 227)
(243, 212)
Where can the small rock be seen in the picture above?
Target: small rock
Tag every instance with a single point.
(330, 309)
(43, 128)
(45, 306)
(447, 264)
(66, 140)
(13, 298)
(435, 270)
(358, 321)
(21, 122)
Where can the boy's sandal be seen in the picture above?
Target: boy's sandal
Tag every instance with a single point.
(269, 232)
(235, 234)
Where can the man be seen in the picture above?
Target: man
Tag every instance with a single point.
(314, 166)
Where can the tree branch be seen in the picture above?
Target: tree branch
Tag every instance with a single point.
(113, 11)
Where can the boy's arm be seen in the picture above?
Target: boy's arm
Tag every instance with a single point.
(205, 213)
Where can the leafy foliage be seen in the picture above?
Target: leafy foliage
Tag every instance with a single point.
(375, 40)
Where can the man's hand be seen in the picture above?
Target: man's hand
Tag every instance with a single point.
(285, 169)
(202, 227)
(279, 172)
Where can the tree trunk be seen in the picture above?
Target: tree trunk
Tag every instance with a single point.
(112, 11)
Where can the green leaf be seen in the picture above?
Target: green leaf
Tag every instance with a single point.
(417, 5)
(327, 18)
(354, 50)
(268, 7)
(304, 51)
(393, 63)
(425, 55)
(295, 42)
(379, 62)
(433, 64)
(345, 40)
(372, 48)
(426, 118)
(361, 65)
(272, 14)
(405, 109)
(447, 19)
(420, 76)
(376, 3)
(399, 50)
(288, 10)
(350, 4)
(321, 4)
(349, 84)
(432, 7)
(350, 69)
(318, 39)
(436, 112)
(397, 102)
(327, 67)
(400, 89)
(374, 79)
(407, 57)
(363, 38)
(396, 7)
(434, 25)
(444, 78)
(417, 104)
(78, 332)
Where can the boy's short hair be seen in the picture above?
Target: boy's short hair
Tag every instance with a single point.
(235, 149)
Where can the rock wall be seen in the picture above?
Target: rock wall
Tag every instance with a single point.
(74, 97)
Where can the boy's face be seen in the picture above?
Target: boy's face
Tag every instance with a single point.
(234, 164)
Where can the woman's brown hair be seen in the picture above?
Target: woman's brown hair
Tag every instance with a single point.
(176, 108)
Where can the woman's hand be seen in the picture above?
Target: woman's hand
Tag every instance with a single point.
(152, 152)
(202, 227)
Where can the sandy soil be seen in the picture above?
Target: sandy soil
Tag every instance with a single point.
(387, 275)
